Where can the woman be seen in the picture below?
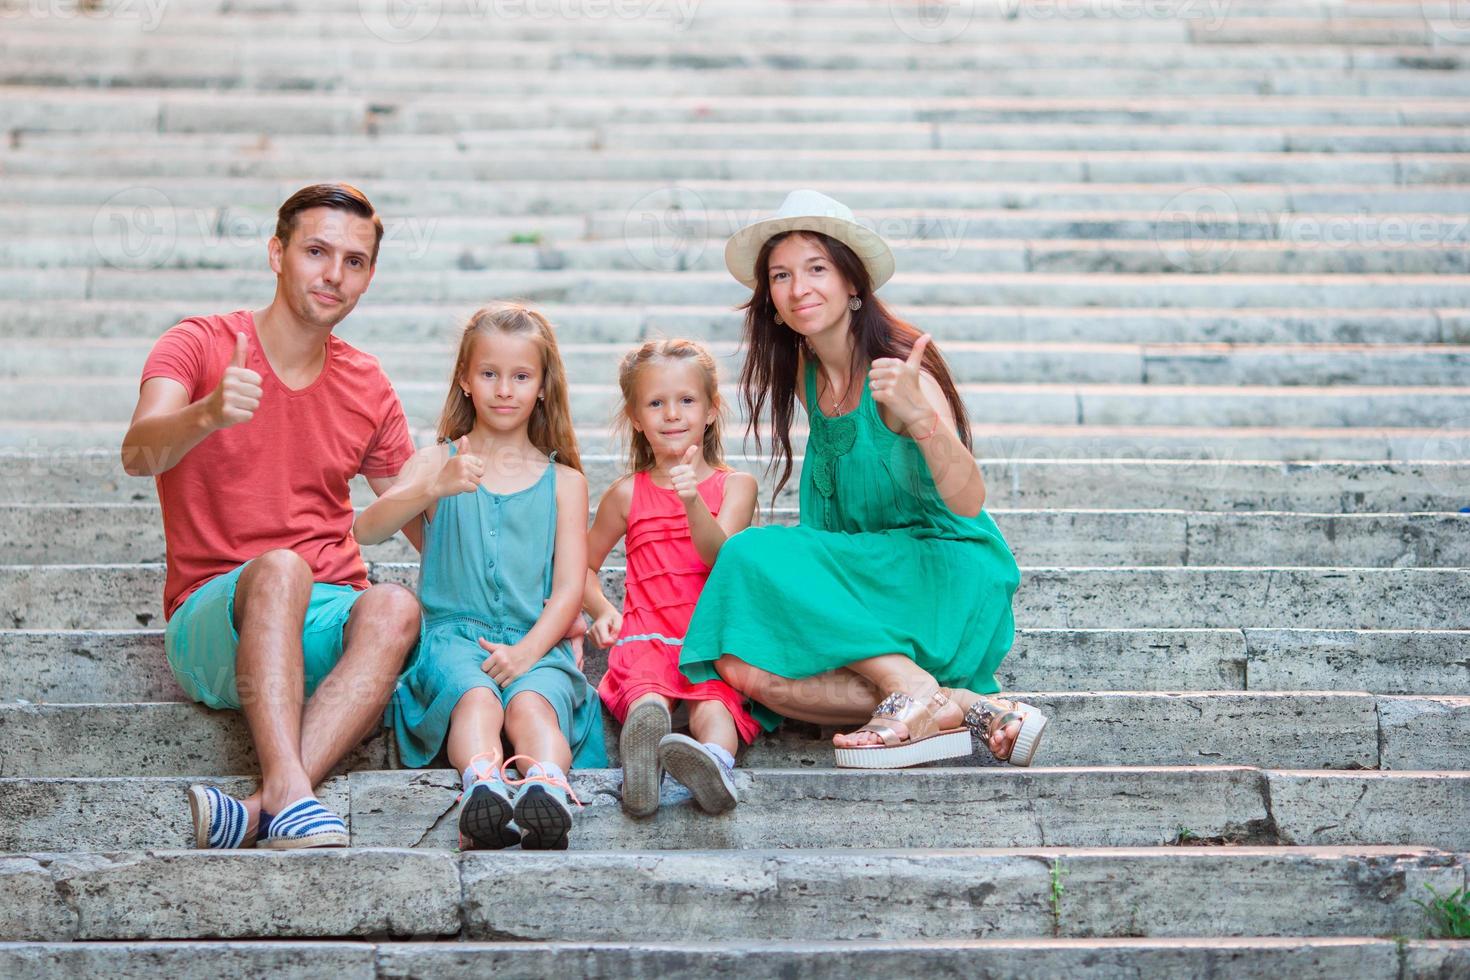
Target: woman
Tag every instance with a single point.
(892, 599)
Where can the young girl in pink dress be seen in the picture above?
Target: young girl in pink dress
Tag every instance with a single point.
(676, 510)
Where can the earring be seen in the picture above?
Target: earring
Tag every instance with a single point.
(463, 392)
(779, 321)
(854, 304)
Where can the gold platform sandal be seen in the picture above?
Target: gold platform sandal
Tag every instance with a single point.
(925, 741)
(988, 715)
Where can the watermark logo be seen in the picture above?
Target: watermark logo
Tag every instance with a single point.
(136, 228)
(667, 229)
(400, 21)
(1197, 230)
(1448, 20)
(148, 14)
(1450, 443)
(932, 21)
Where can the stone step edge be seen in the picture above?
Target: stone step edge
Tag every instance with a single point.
(1248, 958)
(388, 892)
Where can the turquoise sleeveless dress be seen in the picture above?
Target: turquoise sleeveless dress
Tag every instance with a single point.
(879, 564)
(486, 571)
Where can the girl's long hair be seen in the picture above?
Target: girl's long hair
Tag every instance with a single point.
(550, 427)
(645, 357)
(769, 374)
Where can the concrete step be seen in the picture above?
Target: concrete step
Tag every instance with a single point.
(1020, 441)
(1194, 223)
(1017, 483)
(536, 200)
(1163, 256)
(41, 534)
(53, 400)
(944, 74)
(107, 666)
(374, 324)
(164, 110)
(1308, 730)
(82, 43)
(1260, 958)
(1114, 20)
(800, 165)
(611, 134)
(130, 595)
(787, 808)
(215, 289)
(684, 896)
(969, 361)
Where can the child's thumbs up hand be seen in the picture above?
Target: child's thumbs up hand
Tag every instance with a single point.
(239, 391)
(686, 483)
(895, 384)
(461, 472)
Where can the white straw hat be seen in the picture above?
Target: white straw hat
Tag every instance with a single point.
(807, 210)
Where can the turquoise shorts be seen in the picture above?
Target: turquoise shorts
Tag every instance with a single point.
(201, 639)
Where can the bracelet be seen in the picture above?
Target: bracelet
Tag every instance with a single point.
(932, 429)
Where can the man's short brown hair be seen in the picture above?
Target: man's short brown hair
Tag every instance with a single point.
(340, 197)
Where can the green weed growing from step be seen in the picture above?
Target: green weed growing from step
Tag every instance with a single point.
(1449, 915)
(1057, 873)
(526, 238)
(1183, 835)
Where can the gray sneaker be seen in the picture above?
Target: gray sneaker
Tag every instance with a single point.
(697, 768)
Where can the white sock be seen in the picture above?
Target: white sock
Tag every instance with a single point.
(718, 751)
(550, 770)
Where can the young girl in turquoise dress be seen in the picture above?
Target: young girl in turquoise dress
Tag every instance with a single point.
(501, 502)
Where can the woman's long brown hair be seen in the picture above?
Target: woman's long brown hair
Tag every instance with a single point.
(769, 374)
(550, 427)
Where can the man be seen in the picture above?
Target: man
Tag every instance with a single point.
(254, 423)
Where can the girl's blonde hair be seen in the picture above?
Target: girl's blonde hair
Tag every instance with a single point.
(640, 452)
(550, 427)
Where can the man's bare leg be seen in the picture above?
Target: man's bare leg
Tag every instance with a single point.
(348, 704)
(271, 598)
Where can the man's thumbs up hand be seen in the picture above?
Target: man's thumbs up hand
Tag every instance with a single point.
(239, 391)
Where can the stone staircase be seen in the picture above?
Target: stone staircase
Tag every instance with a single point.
(1202, 270)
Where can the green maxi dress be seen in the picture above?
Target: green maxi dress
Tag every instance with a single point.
(879, 564)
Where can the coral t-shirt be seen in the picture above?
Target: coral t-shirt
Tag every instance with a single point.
(280, 480)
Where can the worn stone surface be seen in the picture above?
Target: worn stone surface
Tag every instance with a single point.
(1424, 733)
(113, 813)
(1428, 661)
(1250, 891)
(1430, 808)
(987, 959)
(162, 739)
(322, 893)
(815, 808)
(1118, 892)
(807, 894)
(189, 960)
(983, 959)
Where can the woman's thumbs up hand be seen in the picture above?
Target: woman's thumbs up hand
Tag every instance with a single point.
(895, 384)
